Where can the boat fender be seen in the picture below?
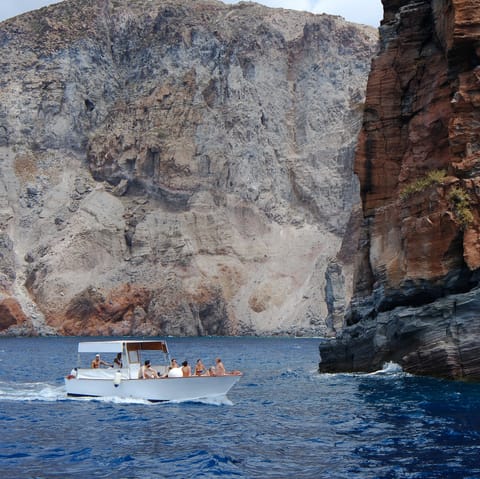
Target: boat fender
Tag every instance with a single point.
(117, 379)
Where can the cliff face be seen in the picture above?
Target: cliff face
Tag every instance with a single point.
(175, 167)
(417, 275)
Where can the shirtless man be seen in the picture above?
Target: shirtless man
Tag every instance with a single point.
(97, 362)
(219, 368)
(147, 372)
(186, 369)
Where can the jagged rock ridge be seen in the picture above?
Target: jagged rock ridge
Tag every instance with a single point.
(175, 167)
(416, 290)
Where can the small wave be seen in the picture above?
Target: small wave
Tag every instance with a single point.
(289, 373)
(388, 368)
(212, 401)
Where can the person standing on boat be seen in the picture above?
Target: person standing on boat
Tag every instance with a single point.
(117, 362)
(97, 362)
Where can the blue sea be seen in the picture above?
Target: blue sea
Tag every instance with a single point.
(282, 420)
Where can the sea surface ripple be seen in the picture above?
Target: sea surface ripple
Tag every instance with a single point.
(282, 420)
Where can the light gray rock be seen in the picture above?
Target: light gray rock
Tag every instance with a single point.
(190, 139)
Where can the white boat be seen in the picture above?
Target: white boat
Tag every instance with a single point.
(124, 382)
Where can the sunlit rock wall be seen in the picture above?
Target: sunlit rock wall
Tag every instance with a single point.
(416, 283)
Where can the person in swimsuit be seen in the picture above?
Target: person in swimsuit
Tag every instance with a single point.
(199, 368)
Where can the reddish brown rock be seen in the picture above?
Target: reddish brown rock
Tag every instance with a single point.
(96, 312)
(11, 314)
(418, 162)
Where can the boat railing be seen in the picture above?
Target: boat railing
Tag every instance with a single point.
(100, 373)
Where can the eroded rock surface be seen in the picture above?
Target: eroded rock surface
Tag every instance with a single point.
(417, 274)
(175, 167)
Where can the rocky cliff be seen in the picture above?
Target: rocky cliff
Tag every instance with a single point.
(176, 167)
(416, 289)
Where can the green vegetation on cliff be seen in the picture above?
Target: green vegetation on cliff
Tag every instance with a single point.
(460, 203)
(431, 178)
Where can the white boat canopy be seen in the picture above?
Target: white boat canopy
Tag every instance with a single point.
(117, 346)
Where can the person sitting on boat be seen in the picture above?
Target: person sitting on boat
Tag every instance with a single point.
(117, 362)
(199, 368)
(186, 369)
(147, 372)
(97, 362)
(73, 373)
(175, 373)
(220, 369)
(174, 364)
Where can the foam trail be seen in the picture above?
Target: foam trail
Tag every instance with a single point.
(110, 399)
(31, 392)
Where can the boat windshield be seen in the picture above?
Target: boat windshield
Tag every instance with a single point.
(139, 351)
(133, 356)
(136, 351)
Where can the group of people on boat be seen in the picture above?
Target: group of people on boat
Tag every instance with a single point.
(146, 371)
(185, 370)
(199, 369)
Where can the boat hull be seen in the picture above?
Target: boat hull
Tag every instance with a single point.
(168, 389)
